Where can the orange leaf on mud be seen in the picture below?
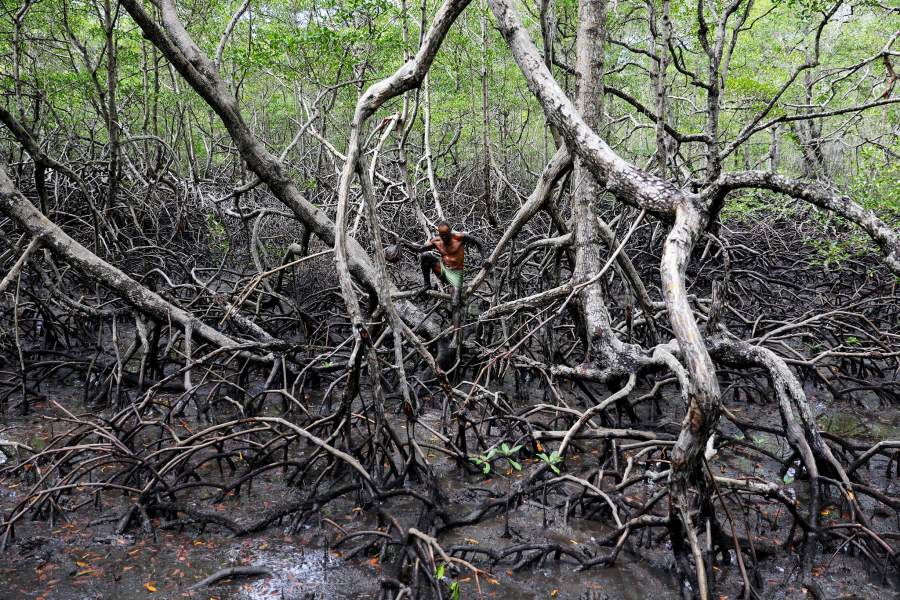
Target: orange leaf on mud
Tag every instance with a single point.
(150, 587)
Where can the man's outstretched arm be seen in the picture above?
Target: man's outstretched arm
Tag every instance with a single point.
(418, 248)
(481, 245)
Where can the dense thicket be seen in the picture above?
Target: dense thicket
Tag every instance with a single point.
(690, 208)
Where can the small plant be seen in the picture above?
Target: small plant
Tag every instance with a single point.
(217, 232)
(552, 460)
(485, 461)
(506, 451)
(440, 575)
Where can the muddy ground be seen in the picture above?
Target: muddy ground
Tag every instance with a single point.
(83, 557)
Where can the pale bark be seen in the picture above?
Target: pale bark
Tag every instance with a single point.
(555, 170)
(17, 207)
(886, 237)
(407, 77)
(177, 46)
(19, 265)
(588, 188)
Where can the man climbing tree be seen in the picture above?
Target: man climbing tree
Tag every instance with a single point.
(689, 347)
(445, 255)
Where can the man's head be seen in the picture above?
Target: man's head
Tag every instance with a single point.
(443, 229)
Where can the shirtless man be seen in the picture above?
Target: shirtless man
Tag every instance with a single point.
(449, 259)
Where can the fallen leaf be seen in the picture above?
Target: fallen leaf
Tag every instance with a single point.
(150, 587)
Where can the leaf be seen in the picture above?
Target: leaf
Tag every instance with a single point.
(439, 572)
(555, 469)
(150, 587)
(486, 468)
(515, 465)
(787, 479)
(81, 563)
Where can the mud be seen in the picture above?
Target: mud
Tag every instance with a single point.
(84, 558)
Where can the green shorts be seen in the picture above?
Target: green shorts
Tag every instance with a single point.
(453, 276)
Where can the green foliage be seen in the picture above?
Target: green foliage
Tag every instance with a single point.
(216, 230)
(453, 585)
(504, 451)
(876, 183)
(282, 50)
(829, 252)
(553, 460)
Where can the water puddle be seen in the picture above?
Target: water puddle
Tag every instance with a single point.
(299, 573)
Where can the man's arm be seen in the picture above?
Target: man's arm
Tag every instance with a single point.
(418, 248)
(468, 238)
(480, 244)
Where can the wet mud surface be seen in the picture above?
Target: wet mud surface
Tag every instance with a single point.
(82, 557)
